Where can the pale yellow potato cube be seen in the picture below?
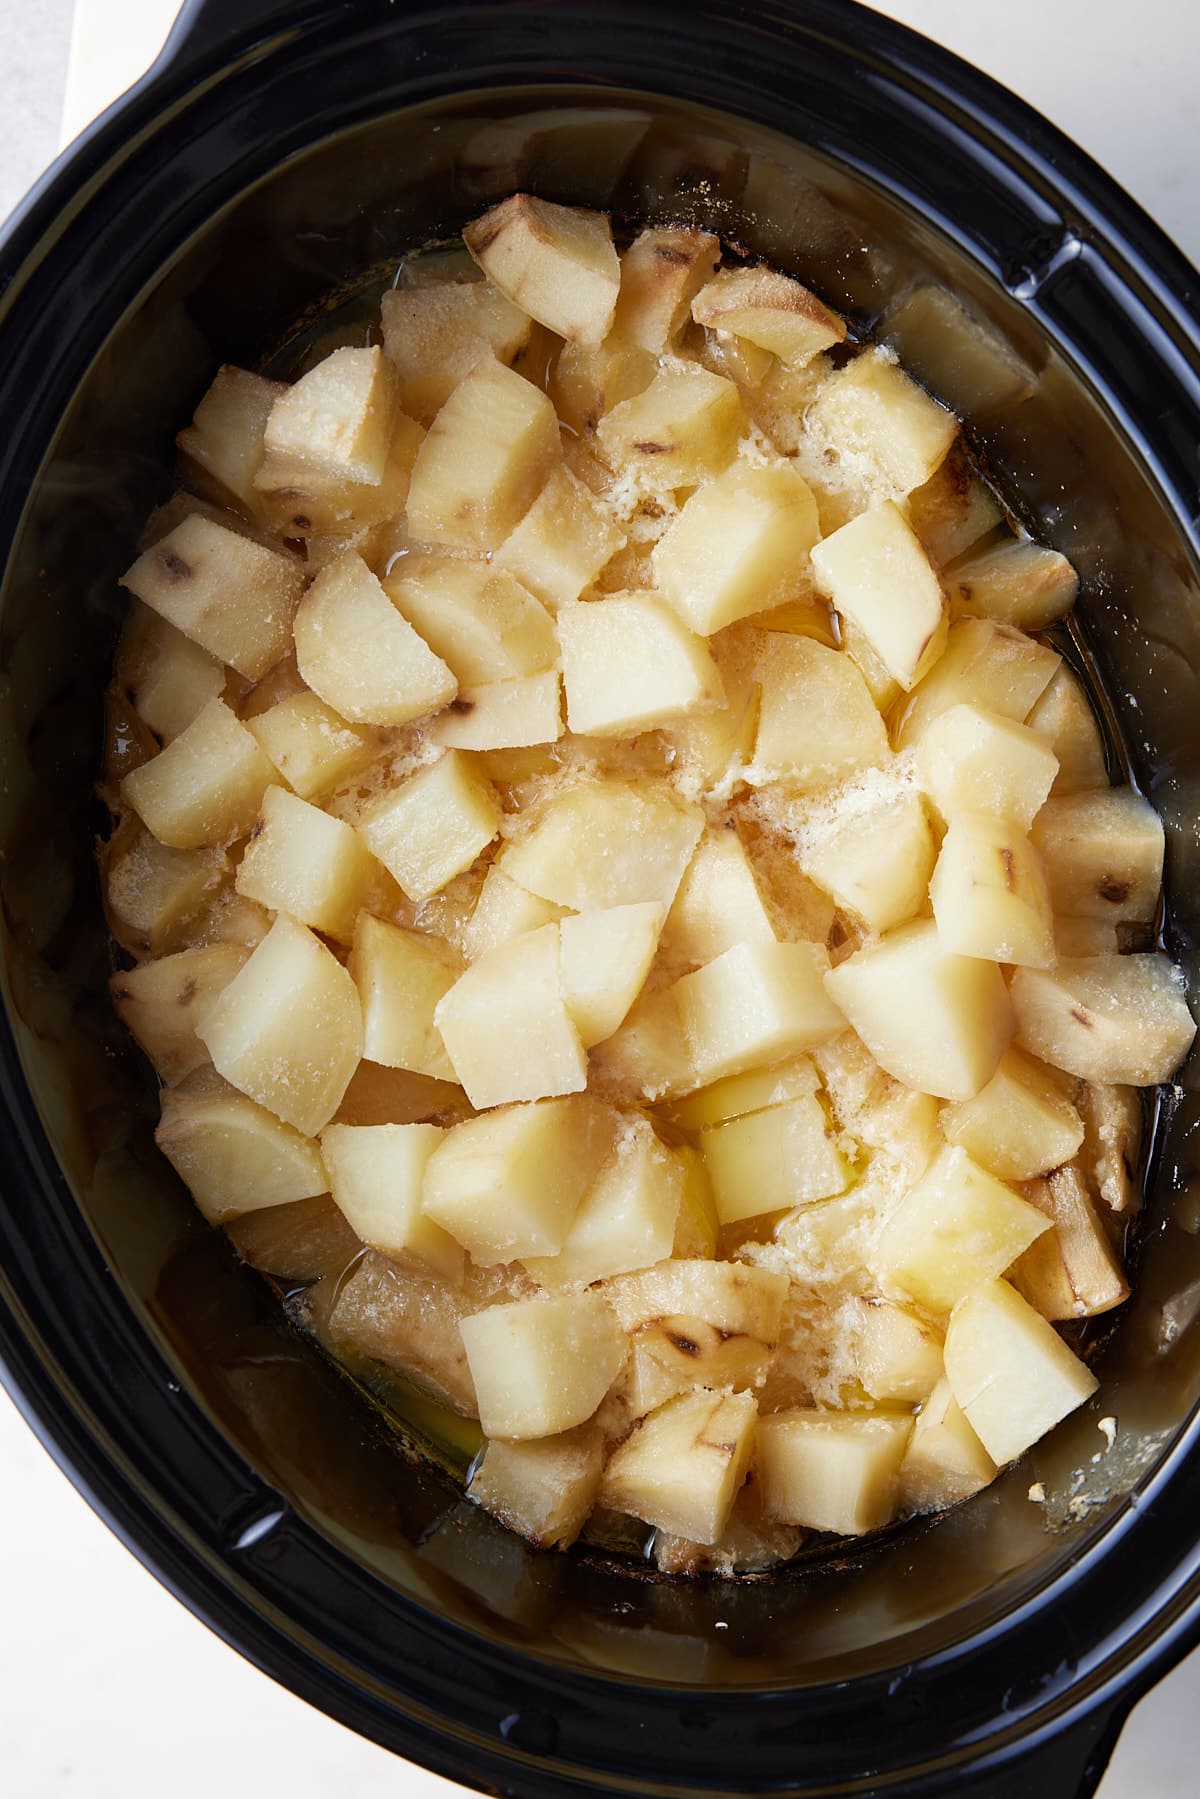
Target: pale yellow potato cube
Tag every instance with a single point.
(945, 1462)
(973, 760)
(877, 862)
(486, 455)
(586, 383)
(718, 903)
(708, 1324)
(1106, 1018)
(563, 542)
(937, 1021)
(627, 1218)
(482, 623)
(226, 436)
(152, 892)
(162, 1002)
(740, 545)
(433, 824)
(756, 1004)
(310, 744)
(887, 433)
(604, 958)
(1020, 1124)
(605, 843)
(661, 272)
(556, 262)
(986, 664)
(543, 1365)
(508, 1184)
(739, 1094)
(375, 1175)
(408, 1318)
(301, 861)
(544, 1488)
(1023, 583)
(683, 1466)
(234, 1157)
(333, 512)
(989, 893)
(897, 1356)
(768, 1160)
(433, 336)
(876, 572)
(504, 910)
(1010, 1371)
(953, 509)
(401, 975)
(648, 1057)
(205, 787)
(232, 596)
(338, 417)
(771, 310)
(836, 1471)
(1065, 717)
(503, 715)
(287, 1031)
(681, 429)
(169, 678)
(712, 749)
(507, 1028)
(629, 665)
(1103, 854)
(360, 655)
(817, 721)
(1072, 1271)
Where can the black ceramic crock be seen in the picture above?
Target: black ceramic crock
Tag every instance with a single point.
(274, 153)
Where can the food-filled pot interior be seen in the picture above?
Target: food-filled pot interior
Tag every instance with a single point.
(324, 232)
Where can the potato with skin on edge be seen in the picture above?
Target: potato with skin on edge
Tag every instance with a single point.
(661, 272)
(235, 1156)
(556, 262)
(682, 1467)
(681, 429)
(1106, 1018)
(311, 745)
(771, 310)
(989, 894)
(162, 1002)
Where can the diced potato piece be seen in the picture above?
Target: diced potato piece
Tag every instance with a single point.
(739, 360)
(1010, 1371)
(379, 1095)
(162, 1002)
(604, 958)
(1103, 854)
(681, 429)
(629, 665)
(509, 1183)
(957, 1228)
(1112, 1122)
(507, 1028)
(1019, 1125)
(503, 715)
(627, 1218)
(1106, 1018)
(937, 1021)
(301, 861)
(696, 1224)
(482, 623)
(771, 310)
(1064, 716)
(332, 512)
(1085, 936)
(661, 272)
(1021, 582)
(945, 1462)
(486, 455)
(544, 1489)
(504, 910)
(556, 262)
(606, 844)
(984, 664)
(953, 509)
(433, 824)
(152, 892)
(287, 1030)
(875, 863)
(831, 1470)
(375, 1176)
(772, 1159)
(541, 1366)
(226, 436)
(877, 573)
(168, 677)
(648, 1056)
(587, 383)
(410, 1319)
(1071, 1271)
(718, 903)
(817, 721)
(884, 689)
(989, 893)
(739, 545)
(563, 542)
(232, 596)
(711, 749)
(205, 787)
(310, 744)
(303, 1240)
(233, 1156)
(875, 1107)
(739, 1094)
(433, 336)
(754, 1005)
(360, 655)
(401, 976)
(896, 1355)
(883, 429)
(972, 760)
(337, 418)
(683, 1466)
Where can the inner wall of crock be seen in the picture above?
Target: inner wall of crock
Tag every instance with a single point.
(273, 262)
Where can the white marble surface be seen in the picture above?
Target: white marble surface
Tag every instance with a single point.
(108, 1688)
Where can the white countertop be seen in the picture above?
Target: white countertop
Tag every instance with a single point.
(109, 1689)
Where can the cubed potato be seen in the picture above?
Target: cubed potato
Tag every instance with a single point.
(338, 417)
(310, 744)
(937, 1021)
(1020, 1124)
(508, 1184)
(754, 1005)
(1085, 937)
(375, 1176)
(883, 687)
(287, 1031)
(432, 825)
(169, 678)
(206, 787)
(162, 1002)
(740, 361)
(332, 512)
(303, 1240)
(817, 721)
(1010, 1371)
(606, 843)
(506, 1026)
(543, 1365)
(234, 1157)
(956, 1229)
(972, 760)
(232, 596)
(648, 1057)
(1103, 854)
(225, 439)
(682, 1467)
(482, 623)
(875, 862)
(410, 1319)
(661, 272)
(627, 1218)
(504, 910)
(1071, 1271)
(944, 1462)
(876, 1108)
(563, 542)
(739, 1094)
(989, 893)
(709, 1324)
(681, 429)
(876, 572)
(1023, 583)
(503, 715)
(740, 545)
(771, 310)
(718, 903)
(1106, 1018)
(1112, 1122)
(556, 262)
(1065, 717)
(586, 383)
(897, 1356)
(301, 861)
(986, 664)
(696, 1223)
(712, 749)
(379, 1095)
(768, 1160)
(953, 510)
(545, 1488)
(887, 433)
(433, 336)
(834, 1471)
(152, 893)
(360, 655)
(401, 975)
(487, 453)
(629, 665)
(604, 958)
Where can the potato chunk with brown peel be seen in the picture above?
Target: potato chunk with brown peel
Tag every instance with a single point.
(1106, 1018)
(953, 510)
(541, 1366)
(302, 1240)
(206, 787)
(235, 1157)
(410, 1319)
(710, 1324)
(604, 958)
(1065, 718)
(989, 894)
(756, 1004)
(225, 439)
(681, 429)
(563, 542)
(360, 655)
(876, 862)
(944, 1461)
(310, 744)
(401, 975)
(771, 310)
(972, 760)
(544, 1488)
(1071, 1271)
(507, 1028)
(503, 715)
(661, 272)
(434, 335)
(482, 623)
(629, 664)
(740, 545)
(555, 262)
(1010, 1371)
(1023, 583)
(162, 1002)
(169, 678)
(876, 572)
(817, 721)
(287, 1030)
(886, 433)
(604, 844)
(1103, 854)
(627, 1218)
(772, 1159)
(985, 663)
(835, 1471)
(433, 824)
(303, 862)
(375, 1176)
(1020, 1124)
(1112, 1122)
(683, 1466)
(718, 904)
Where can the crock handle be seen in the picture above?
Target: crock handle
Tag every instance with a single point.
(1069, 1765)
(207, 27)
